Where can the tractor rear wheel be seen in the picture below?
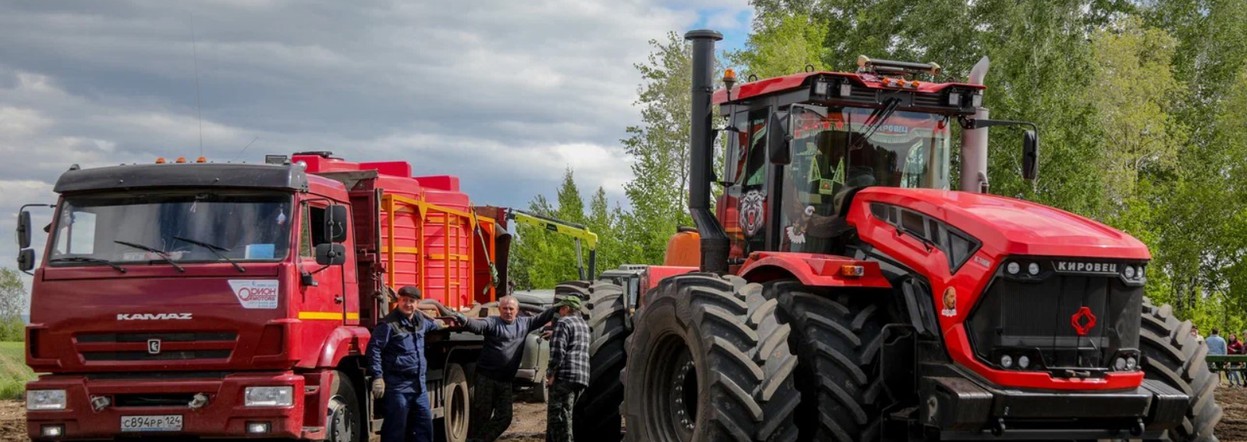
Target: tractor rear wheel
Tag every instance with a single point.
(1175, 358)
(837, 340)
(708, 360)
(596, 415)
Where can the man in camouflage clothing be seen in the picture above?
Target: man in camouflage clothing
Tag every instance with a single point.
(569, 369)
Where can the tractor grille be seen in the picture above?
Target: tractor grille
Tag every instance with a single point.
(155, 346)
(1040, 316)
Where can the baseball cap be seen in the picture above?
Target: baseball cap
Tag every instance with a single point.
(570, 301)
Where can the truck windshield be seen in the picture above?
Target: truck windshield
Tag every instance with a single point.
(184, 227)
(853, 147)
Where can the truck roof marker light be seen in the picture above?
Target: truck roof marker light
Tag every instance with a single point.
(160, 160)
(201, 160)
(852, 271)
(180, 160)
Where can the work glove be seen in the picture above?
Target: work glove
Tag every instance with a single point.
(378, 388)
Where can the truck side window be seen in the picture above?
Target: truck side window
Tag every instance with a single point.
(311, 234)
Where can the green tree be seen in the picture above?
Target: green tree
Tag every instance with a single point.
(12, 304)
(659, 149)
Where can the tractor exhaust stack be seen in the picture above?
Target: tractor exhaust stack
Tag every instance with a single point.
(714, 241)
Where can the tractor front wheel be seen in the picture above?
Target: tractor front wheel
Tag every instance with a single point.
(1176, 358)
(837, 339)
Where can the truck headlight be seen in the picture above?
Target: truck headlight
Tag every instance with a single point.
(45, 400)
(268, 396)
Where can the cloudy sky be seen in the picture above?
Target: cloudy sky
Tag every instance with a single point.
(506, 94)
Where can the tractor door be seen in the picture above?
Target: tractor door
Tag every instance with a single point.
(743, 207)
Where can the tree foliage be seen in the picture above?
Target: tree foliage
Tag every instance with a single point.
(12, 304)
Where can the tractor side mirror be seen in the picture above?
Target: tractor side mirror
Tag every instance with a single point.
(335, 223)
(329, 254)
(1030, 155)
(23, 230)
(26, 260)
(778, 141)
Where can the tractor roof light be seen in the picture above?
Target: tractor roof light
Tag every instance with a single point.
(201, 160)
(180, 160)
(160, 160)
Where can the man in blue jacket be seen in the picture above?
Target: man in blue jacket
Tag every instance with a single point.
(396, 359)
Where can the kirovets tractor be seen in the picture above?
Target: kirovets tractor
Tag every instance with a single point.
(840, 290)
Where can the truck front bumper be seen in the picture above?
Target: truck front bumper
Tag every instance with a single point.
(967, 408)
(96, 405)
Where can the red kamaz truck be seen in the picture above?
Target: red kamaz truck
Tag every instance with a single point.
(235, 300)
(840, 291)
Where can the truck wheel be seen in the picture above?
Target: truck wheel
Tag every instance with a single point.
(837, 341)
(709, 361)
(454, 426)
(1171, 355)
(343, 415)
(596, 414)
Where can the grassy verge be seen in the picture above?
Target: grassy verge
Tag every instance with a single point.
(13, 370)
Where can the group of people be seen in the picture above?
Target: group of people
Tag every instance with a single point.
(397, 363)
(1217, 345)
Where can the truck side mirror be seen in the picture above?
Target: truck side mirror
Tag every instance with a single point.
(26, 260)
(335, 223)
(330, 254)
(778, 141)
(23, 230)
(1030, 155)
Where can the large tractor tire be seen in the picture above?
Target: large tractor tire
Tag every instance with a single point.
(708, 360)
(837, 340)
(1171, 355)
(596, 415)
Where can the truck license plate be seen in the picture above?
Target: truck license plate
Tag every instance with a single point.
(172, 422)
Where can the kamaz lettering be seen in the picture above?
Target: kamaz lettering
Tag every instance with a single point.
(1086, 267)
(153, 316)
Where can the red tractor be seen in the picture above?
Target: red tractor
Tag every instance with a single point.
(839, 290)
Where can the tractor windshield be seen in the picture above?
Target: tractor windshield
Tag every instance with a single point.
(181, 226)
(834, 149)
(848, 147)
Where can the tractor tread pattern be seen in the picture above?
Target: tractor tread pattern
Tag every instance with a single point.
(1174, 357)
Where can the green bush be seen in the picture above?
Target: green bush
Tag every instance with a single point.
(12, 330)
(13, 370)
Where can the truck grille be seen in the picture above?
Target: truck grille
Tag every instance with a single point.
(155, 346)
(1037, 316)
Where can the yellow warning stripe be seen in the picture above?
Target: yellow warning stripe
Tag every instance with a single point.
(328, 315)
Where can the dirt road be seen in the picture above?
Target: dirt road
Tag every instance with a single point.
(530, 420)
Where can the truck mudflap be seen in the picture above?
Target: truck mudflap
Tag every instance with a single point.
(963, 408)
(190, 405)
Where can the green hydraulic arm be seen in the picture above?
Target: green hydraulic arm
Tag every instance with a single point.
(577, 232)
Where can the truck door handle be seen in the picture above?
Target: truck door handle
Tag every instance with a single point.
(337, 299)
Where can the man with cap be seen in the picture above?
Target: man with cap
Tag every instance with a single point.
(397, 362)
(568, 374)
(497, 364)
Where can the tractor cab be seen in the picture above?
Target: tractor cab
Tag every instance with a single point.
(798, 145)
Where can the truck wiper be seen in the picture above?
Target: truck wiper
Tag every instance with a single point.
(215, 249)
(89, 259)
(161, 253)
(876, 120)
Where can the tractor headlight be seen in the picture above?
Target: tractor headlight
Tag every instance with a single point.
(1129, 272)
(1006, 361)
(1013, 268)
(45, 400)
(268, 396)
(1131, 363)
(1033, 269)
(1024, 362)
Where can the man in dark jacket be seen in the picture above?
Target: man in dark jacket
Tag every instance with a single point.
(497, 364)
(569, 369)
(396, 359)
